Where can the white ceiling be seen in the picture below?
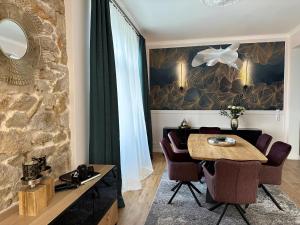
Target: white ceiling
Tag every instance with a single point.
(166, 20)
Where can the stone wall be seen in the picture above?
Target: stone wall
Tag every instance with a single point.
(34, 120)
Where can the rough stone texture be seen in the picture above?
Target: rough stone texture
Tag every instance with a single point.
(5, 102)
(17, 120)
(40, 151)
(10, 184)
(61, 136)
(41, 138)
(2, 118)
(45, 120)
(60, 162)
(34, 120)
(24, 103)
(61, 103)
(5, 202)
(14, 142)
(61, 85)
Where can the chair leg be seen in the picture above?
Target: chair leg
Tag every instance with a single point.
(180, 184)
(223, 213)
(196, 189)
(202, 163)
(242, 214)
(174, 188)
(215, 207)
(241, 209)
(189, 185)
(271, 196)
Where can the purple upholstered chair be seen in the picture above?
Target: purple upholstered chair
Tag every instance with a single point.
(263, 143)
(182, 168)
(233, 183)
(176, 143)
(210, 130)
(271, 172)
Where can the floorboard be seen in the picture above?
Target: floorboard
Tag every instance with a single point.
(291, 180)
(138, 203)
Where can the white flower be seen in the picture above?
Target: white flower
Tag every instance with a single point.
(233, 107)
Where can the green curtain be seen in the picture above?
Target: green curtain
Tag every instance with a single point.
(145, 90)
(104, 124)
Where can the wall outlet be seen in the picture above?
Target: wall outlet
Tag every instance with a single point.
(277, 114)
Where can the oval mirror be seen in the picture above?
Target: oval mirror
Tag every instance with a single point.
(13, 40)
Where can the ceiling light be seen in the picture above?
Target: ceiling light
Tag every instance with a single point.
(219, 2)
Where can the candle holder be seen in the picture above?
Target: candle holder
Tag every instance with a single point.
(31, 174)
(38, 187)
(42, 164)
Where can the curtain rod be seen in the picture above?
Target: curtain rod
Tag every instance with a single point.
(117, 6)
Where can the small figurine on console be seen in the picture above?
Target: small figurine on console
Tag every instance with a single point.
(184, 124)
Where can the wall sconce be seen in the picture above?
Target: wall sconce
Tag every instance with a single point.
(245, 73)
(181, 72)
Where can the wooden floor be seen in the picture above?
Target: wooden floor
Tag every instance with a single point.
(138, 203)
(291, 180)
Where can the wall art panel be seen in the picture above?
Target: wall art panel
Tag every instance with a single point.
(257, 83)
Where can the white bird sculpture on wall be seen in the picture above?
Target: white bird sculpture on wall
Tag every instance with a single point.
(212, 56)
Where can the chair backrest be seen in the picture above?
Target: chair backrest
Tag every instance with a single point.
(236, 182)
(172, 156)
(180, 165)
(174, 139)
(167, 149)
(263, 143)
(278, 153)
(210, 130)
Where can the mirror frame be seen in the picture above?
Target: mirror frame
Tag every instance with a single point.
(22, 71)
(24, 32)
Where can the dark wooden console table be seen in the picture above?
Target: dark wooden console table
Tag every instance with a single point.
(93, 203)
(249, 134)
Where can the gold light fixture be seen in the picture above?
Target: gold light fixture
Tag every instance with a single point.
(245, 73)
(181, 71)
(181, 86)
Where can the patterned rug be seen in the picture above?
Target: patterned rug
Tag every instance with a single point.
(185, 211)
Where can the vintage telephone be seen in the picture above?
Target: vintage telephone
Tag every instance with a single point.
(75, 178)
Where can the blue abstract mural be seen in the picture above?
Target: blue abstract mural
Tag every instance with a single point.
(257, 85)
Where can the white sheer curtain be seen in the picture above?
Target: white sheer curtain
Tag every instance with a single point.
(135, 158)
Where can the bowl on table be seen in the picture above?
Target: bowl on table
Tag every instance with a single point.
(221, 141)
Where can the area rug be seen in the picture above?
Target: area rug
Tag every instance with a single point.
(185, 211)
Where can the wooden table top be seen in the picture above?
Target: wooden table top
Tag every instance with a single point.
(199, 149)
(58, 204)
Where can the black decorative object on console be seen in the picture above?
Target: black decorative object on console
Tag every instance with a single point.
(81, 175)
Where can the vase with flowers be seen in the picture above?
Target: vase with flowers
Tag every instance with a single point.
(233, 112)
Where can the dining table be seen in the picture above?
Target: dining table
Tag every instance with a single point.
(242, 150)
(200, 149)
